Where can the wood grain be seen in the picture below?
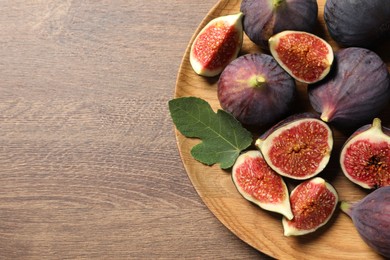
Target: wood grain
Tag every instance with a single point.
(89, 163)
(261, 229)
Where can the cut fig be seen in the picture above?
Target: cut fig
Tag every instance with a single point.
(356, 90)
(313, 203)
(256, 90)
(258, 183)
(371, 217)
(365, 156)
(305, 56)
(217, 44)
(264, 18)
(298, 147)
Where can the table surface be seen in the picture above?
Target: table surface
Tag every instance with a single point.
(88, 155)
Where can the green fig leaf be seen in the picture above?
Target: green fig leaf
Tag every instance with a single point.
(223, 137)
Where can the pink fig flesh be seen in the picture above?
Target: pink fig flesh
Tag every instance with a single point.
(313, 202)
(305, 56)
(258, 183)
(216, 45)
(299, 148)
(365, 156)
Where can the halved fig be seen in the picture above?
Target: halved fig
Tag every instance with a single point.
(298, 147)
(365, 156)
(256, 90)
(258, 183)
(355, 92)
(217, 44)
(264, 18)
(313, 203)
(305, 56)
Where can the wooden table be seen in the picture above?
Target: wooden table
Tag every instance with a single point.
(89, 163)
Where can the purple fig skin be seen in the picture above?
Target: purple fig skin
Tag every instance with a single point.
(356, 91)
(357, 23)
(264, 18)
(256, 90)
(371, 217)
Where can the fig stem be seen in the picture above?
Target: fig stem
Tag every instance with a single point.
(260, 79)
(377, 123)
(277, 3)
(327, 113)
(346, 207)
(324, 118)
(257, 81)
(258, 143)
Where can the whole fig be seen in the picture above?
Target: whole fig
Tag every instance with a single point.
(371, 217)
(355, 91)
(358, 23)
(256, 90)
(264, 18)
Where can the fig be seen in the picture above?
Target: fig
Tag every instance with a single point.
(264, 18)
(305, 56)
(358, 23)
(217, 44)
(371, 217)
(355, 91)
(256, 90)
(365, 156)
(298, 147)
(313, 203)
(259, 184)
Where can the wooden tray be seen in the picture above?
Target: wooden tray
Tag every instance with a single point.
(261, 229)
